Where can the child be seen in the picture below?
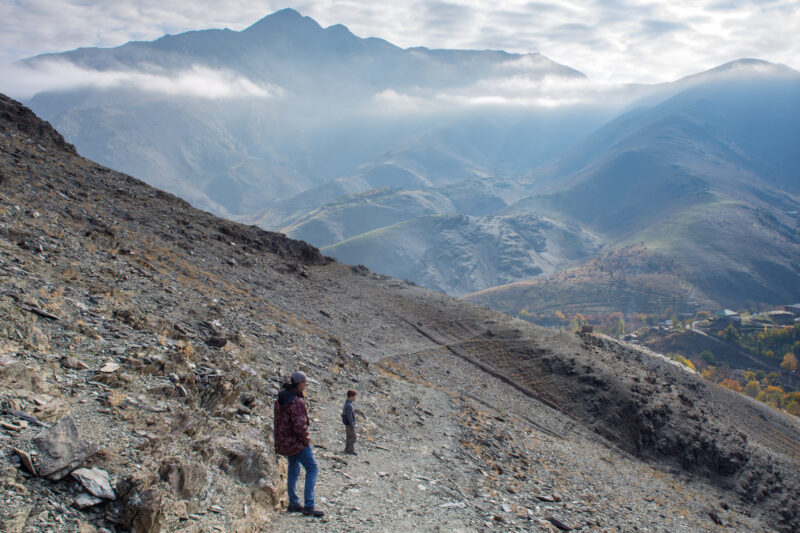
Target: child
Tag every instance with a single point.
(349, 421)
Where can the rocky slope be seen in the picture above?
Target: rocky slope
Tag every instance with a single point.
(144, 339)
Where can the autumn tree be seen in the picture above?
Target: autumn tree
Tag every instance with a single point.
(791, 402)
(772, 395)
(789, 362)
(708, 357)
(752, 389)
(619, 329)
(732, 384)
(682, 360)
(730, 334)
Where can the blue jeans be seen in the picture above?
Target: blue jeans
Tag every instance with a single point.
(305, 458)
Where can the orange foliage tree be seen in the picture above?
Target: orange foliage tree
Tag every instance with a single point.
(732, 384)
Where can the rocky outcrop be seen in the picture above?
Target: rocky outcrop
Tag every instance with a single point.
(61, 449)
(16, 117)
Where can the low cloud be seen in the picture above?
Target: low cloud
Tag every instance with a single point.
(514, 88)
(197, 81)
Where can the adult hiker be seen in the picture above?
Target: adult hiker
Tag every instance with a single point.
(293, 440)
(349, 421)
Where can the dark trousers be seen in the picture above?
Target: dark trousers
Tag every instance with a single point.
(350, 439)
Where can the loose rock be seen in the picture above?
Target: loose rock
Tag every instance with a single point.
(96, 481)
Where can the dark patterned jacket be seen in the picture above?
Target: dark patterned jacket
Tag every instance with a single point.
(290, 428)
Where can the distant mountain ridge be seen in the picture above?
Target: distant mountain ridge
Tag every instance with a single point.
(365, 148)
(279, 47)
(709, 177)
(312, 117)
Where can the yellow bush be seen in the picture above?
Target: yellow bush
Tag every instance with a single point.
(752, 389)
(732, 384)
(789, 362)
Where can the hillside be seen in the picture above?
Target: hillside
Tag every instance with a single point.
(630, 279)
(458, 254)
(707, 178)
(147, 339)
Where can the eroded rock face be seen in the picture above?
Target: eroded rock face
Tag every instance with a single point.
(245, 461)
(61, 449)
(187, 479)
(142, 505)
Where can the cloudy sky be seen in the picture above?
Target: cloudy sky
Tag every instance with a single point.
(609, 40)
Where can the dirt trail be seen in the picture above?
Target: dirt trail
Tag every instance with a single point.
(446, 447)
(403, 478)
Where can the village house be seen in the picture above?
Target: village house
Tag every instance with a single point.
(730, 316)
(781, 317)
(794, 309)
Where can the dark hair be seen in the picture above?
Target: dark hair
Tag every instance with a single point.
(351, 393)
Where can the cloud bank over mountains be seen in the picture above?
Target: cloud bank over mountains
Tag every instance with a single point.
(197, 81)
(619, 41)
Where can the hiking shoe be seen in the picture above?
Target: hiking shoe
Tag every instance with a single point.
(294, 508)
(350, 453)
(310, 511)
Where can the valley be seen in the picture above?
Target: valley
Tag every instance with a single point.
(369, 151)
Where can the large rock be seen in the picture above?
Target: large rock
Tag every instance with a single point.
(61, 450)
(96, 481)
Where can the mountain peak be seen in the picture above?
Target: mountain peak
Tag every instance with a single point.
(745, 67)
(753, 65)
(287, 18)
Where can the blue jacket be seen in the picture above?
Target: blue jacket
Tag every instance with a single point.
(348, 415)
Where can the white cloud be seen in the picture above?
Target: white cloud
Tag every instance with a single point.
(609, 40)
(517, 89)
(197, 81)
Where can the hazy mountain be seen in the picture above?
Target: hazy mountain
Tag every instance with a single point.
(630, 279)
(708, 177)
(361, 146)
(359, 213)
(459, 254)
(475, 147)
(293, 52)
(238, 121)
